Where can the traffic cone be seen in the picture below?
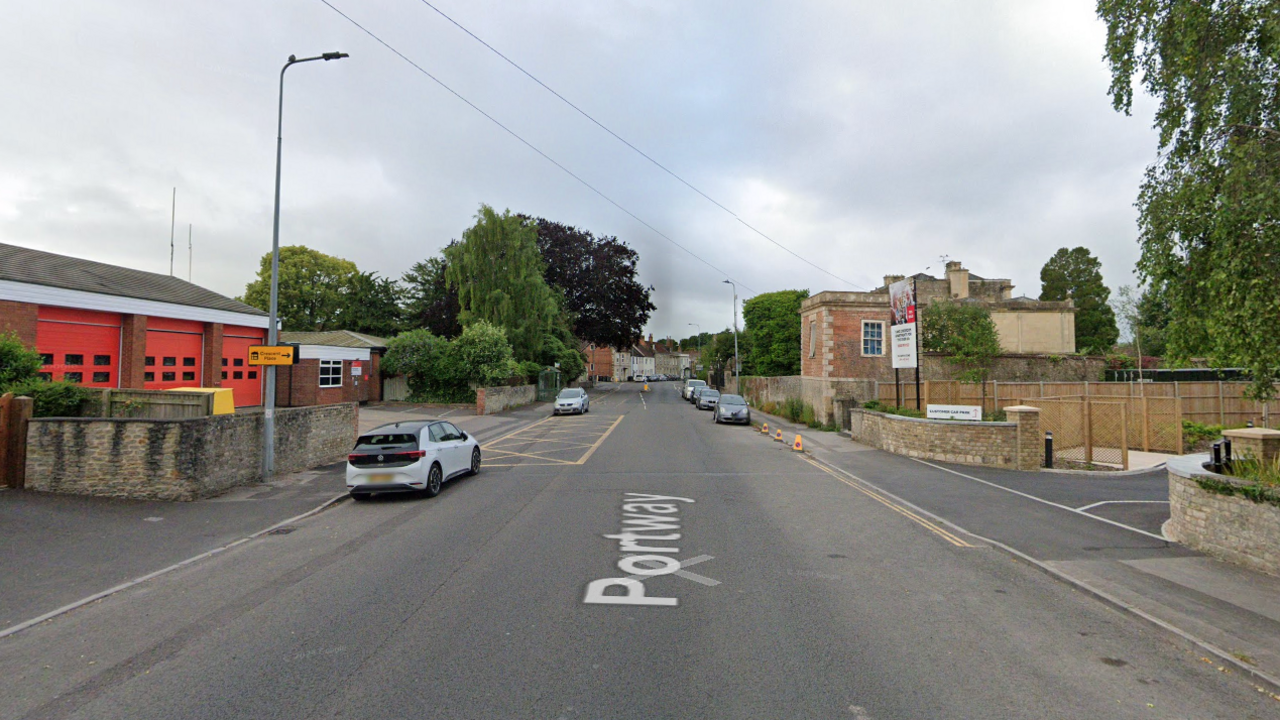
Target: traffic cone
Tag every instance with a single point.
(765, 428)
(646, 387)
(778, 437)
(798, 447)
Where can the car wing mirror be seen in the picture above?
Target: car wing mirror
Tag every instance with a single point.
(464, 436)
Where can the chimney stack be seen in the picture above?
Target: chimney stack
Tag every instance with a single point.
(891, 279)
(958, 277)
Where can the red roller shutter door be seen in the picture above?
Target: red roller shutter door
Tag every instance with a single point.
(244, 380)
(175, 349)
(79, 345)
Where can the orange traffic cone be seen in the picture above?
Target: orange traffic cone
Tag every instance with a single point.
(798, 447)
(765, 428)
(778, 437)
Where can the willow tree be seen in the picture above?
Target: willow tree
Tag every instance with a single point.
(1209, 207)
(498, 274)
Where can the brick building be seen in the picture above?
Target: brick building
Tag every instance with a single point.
(846, 334)
(333, 367)
(108, 326)
(599, 362)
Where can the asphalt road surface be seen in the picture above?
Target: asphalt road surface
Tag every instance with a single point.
(796, 596)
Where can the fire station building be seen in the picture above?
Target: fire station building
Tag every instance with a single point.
(113, 327)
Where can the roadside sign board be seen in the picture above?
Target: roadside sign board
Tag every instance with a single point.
(902, 305)
(273, 355)
(954, 412)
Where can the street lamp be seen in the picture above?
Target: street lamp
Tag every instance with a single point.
(273, 334)
(694, 370)
(737, 361)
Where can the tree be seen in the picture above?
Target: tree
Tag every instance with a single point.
(597, 276)
(1209, 207)
(497, 272)
(424, 359)
(312, 290)
(18, 363)
(429, 301)
(483, 354)
(772, 329)
(1077, 275)
(966, 334)
(371, 304)
(570, 361)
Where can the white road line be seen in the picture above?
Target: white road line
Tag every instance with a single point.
(1122, 502)
(1046, 502)
(642, 401)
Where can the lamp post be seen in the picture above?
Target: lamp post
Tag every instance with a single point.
(694, 370)
(737, 361)
(273, 333)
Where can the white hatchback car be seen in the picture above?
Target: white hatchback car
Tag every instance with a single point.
(412, 456)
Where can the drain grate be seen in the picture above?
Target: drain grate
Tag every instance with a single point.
(282, 530)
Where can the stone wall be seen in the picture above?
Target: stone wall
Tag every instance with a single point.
(997, 444)
(180, 459)
(1228, 527)
(1017, 368)
(821, 394)
(492, 400)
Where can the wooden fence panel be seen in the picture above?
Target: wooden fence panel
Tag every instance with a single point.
(156, 404)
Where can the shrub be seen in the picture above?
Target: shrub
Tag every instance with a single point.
(792, 409)
(53, 399)
(808, 417)
(530, 370)
(18, 363)
(1197, 436)
(482, 354)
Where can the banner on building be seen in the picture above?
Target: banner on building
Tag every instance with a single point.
(902, 309)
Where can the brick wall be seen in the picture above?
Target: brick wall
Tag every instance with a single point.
(133, 351)
(967, 443)
(179, 459)
(496, 399)
(19, 318)
(1228, 527)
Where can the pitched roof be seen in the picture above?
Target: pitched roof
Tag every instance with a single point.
(334, 338)
(36, 267)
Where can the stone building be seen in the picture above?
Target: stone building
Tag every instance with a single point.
(846, 334)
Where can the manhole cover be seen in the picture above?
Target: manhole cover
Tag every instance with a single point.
(282, 530)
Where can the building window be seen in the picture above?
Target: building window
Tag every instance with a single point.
(224, 362)
(150, 361)
(101, 359)
(73, 360)
(188, 376)
(148, 377)
(330, 373)
(170, 362)
(253, 374)
(238, 362)
(46, 358)
(224, 374)
(73, 377)
(167, 377)
(102, 377)
(813, 338)
(188, 362)
(872, 337)
(237, 375)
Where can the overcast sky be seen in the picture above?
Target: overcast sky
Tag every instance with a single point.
(869, 137)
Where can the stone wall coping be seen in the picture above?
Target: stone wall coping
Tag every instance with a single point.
(948, 423)
(1253, 433)
(1192, 466)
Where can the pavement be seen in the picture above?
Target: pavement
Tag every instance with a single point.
(775, 587)
(1100, 532)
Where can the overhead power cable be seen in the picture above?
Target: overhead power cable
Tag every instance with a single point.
(640, 152)
(528, 144)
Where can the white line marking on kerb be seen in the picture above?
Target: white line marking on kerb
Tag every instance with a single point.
(1046, 502)
(1122, 502)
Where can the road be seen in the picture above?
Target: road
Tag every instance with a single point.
(808, 598)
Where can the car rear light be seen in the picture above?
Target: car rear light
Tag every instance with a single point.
(416, 454)
(352, 457)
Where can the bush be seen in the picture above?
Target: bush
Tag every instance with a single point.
(877, 406)
(18, 363)
(530, 370)
(792, 409)
(482, 354)
(808, 417)
(53, 399)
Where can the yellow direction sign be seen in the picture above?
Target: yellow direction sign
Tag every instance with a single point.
(273, 355)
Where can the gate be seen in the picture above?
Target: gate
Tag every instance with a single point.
(549, 384)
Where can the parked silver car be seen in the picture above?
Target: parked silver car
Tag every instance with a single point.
(689, 386)
(732, 409)
(571, 401)
(708, 398)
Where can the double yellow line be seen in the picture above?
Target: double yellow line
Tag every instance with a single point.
(861, 486)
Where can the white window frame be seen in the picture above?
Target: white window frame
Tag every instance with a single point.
(327, 378)
(865, 339)
(813, 337)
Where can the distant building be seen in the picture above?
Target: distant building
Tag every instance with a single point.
(846, 334)
(333, 366)
(599, 362)
(643, 361)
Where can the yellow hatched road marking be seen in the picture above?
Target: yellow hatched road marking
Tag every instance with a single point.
(860, 487)
(598, 443)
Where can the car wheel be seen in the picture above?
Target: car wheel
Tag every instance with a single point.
(435, 476)
(475, 461)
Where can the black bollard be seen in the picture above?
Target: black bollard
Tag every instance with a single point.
(1216, 457)
(1226, 453)
(1048, 449)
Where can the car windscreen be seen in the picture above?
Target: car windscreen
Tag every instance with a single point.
(710, 393)
(568, 393)
(732, 400)
(696, 383)
(387, 441)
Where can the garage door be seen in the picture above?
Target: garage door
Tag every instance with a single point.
(245, 381)
(79, 345)
(175, 349)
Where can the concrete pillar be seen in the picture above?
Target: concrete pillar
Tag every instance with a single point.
(1258, 443)
(1030, 439)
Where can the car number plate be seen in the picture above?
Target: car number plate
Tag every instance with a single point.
(380, 478)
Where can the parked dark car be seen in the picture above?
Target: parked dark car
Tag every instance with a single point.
(732, 409)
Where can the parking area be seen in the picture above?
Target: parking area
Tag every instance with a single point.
(556, 440)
